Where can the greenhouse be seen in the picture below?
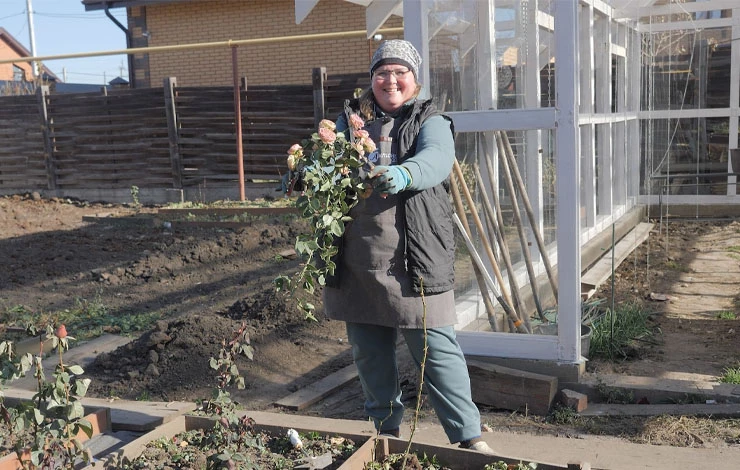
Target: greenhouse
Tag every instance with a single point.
(611, 112)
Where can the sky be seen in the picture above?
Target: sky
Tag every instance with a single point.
(64, 27)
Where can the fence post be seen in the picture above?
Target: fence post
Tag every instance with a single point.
(318, 77)
(170, 83)
(42, 93)
(245, 124)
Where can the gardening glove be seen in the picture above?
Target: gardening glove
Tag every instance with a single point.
(390, 179)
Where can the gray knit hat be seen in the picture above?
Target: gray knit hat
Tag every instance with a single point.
(396, 51)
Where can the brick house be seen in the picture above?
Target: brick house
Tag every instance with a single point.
(21, 71)
(154, 23)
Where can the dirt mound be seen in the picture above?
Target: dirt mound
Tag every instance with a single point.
(171, 362)
(203, 282)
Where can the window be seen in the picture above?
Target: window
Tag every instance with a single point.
(19, 75)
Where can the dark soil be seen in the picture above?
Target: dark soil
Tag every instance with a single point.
(202, 283)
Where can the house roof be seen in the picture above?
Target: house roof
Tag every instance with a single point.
(91, 5)
(21, 50)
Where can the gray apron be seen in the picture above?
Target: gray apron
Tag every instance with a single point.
(374, 286)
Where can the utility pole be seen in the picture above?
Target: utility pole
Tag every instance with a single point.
(29, 13)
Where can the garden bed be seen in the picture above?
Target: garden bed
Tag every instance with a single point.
(318, 438)
(100, 419)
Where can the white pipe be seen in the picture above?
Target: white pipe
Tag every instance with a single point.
(32, 36)
(206, 45)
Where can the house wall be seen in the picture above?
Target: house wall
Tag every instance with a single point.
(263, 64)
(6, 70)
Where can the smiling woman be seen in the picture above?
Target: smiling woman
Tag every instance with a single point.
(392, 83)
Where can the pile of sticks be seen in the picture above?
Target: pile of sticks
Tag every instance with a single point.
(509, 299)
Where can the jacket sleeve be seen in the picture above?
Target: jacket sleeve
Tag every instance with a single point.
(342, 123)
(435, 154)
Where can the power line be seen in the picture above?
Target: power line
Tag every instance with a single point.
(13, 15)
(70, 15)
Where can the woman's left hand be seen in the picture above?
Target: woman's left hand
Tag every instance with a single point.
(389, 179)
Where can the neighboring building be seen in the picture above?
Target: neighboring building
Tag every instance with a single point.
(63, 88)
(20, 71)
(175, 22)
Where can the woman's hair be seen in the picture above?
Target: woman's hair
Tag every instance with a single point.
(367, 102)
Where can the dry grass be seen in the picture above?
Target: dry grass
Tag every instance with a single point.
(689, 431)
(675, 431)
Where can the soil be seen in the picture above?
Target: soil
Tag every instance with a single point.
(202, 283)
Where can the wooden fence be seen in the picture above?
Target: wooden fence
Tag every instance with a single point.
(169, 137)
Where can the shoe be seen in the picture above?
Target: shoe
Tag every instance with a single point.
(396, 433)
(481, 447)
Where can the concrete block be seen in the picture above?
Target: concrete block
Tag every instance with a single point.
(574, 400)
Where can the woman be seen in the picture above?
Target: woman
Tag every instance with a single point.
(395, 272)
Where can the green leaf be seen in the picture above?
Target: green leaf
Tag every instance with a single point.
(86, 427)
(76, 370)
(313, 245)
(77, 410)
(81, 387)
(38, 417)
(337, 228)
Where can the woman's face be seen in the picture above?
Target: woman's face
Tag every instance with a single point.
(393, 85)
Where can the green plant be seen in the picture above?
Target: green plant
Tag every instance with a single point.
(135, 195)
(615, 332)
(90, 318)
(615, 394)
(727, 315)
(676, 266)
(688, 399)
(228, 374)
(230, 430)
(731, 375)
(501, 465)
(563, 415)
(333, 166)
(44, 431)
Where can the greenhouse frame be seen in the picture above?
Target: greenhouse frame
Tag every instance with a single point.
(614, 110)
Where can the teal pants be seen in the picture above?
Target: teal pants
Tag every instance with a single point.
(446, 378)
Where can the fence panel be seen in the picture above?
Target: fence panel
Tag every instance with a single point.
(274, 119)
(22, 157)
(206, 134)
(125, 138)
(116, 140)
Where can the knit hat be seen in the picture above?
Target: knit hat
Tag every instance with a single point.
(396, 51)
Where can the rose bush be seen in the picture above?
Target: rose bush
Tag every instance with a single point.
(333, 167)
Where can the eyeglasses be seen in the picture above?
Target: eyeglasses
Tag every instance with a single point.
(386, 74)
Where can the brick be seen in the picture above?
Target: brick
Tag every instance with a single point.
(573, 400)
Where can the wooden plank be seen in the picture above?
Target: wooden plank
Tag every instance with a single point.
(125, 415)
(511, 389)
(602, 269)
(316, 391)
(82, 355)
(226, 211)
(715, 410)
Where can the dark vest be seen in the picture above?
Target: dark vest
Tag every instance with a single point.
(430, 237)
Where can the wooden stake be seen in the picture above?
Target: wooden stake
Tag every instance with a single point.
(509, 154)
(490, 310)
(520, 229)
(488, 211)
(503, 298)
